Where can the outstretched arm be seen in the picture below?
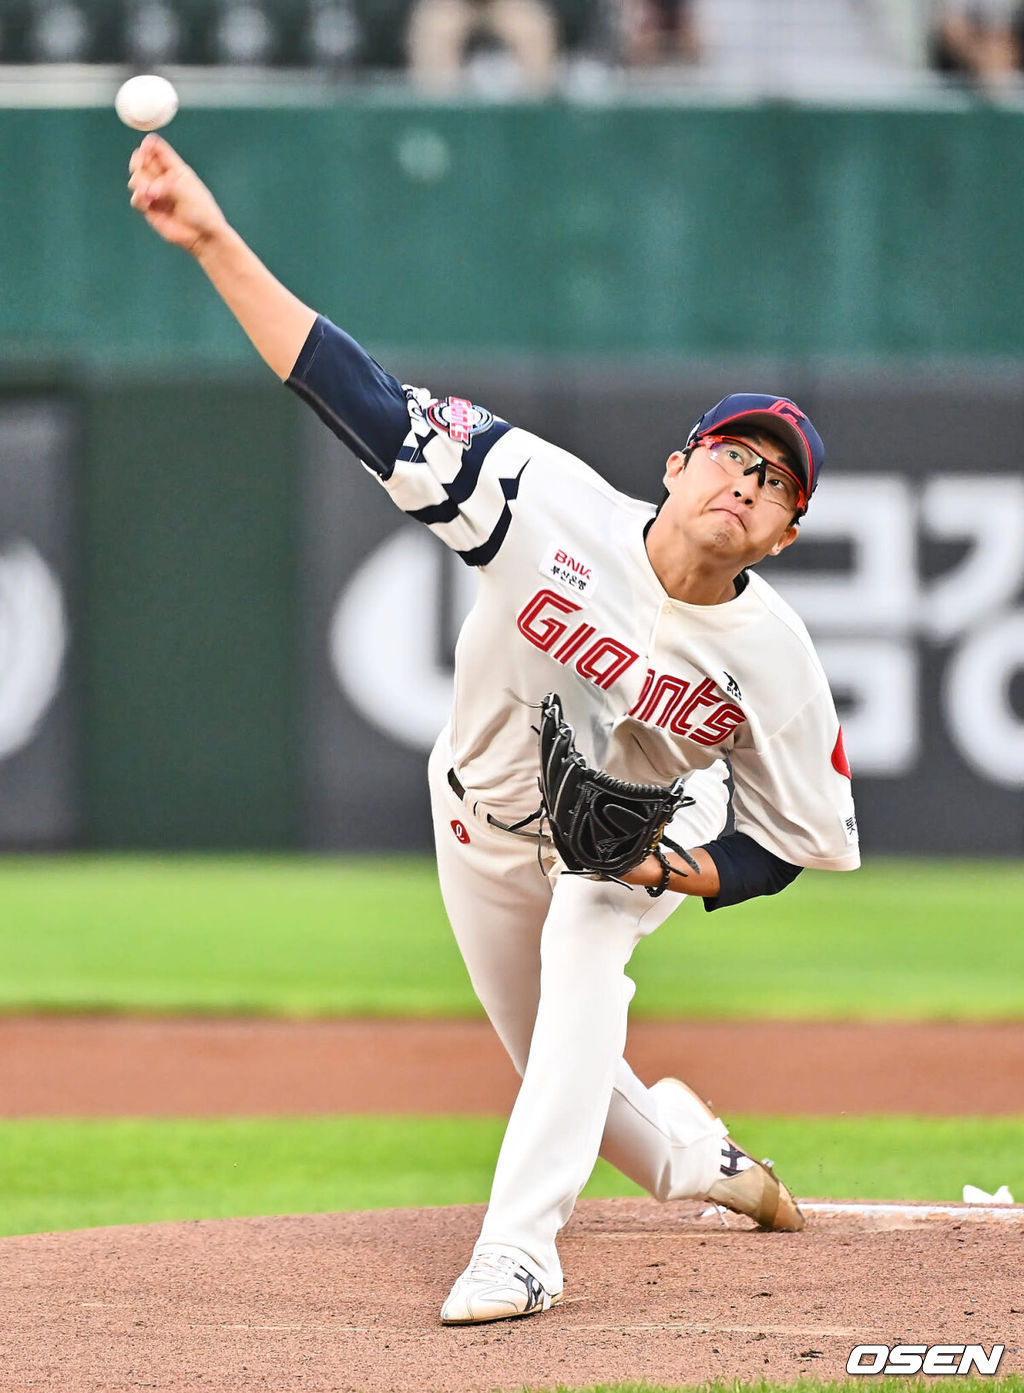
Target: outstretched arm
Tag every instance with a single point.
(180, 208)
(434, 467)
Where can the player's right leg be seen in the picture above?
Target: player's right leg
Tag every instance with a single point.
(665, 1137)
(670, 1142)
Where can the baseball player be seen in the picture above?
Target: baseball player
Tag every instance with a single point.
(671, 659)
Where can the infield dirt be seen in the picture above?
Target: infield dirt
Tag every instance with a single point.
(116, 1067)
(350, 1301)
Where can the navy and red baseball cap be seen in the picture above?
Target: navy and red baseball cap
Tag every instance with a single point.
(776, 414)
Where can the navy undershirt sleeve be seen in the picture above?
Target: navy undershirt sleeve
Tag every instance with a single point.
(364, 406)
(746, 870)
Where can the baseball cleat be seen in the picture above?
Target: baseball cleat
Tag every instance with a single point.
(495, 1286)
(751, 1187)
(747, 1186)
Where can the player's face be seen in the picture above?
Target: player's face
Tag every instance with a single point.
(736, 515)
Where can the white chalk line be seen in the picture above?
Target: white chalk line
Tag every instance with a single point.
(708, 1328)
(915, 1213)
(867, 1213)
(701, 1327)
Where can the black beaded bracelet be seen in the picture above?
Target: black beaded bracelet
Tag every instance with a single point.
(666, 875)
(666, 870)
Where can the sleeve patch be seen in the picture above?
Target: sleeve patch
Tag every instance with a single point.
(459, 419)
(839, 761)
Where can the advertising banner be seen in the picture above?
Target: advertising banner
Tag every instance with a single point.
(37, 734)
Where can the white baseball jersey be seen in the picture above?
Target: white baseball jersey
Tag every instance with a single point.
(568, 602)
(655, 687)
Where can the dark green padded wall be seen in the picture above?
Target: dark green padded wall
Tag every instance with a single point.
(524, 229)
(190, 697)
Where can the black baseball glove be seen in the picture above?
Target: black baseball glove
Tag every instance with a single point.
(601, 826)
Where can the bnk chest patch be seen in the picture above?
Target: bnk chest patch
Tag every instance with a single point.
(569, 569)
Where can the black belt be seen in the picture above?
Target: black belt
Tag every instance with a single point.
(455, 784)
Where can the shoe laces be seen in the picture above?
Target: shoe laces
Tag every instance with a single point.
(490, 1265)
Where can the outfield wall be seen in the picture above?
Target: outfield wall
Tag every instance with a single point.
(236, 641)
(213, 673)
(586, 229)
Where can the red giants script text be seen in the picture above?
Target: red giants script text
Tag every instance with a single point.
(601, 661)
(695, 710)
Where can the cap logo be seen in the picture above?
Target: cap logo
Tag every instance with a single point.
(788, 411)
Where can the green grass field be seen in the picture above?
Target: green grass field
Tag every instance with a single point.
(964, 1385)
(1014, 1383)
(331, 936)
(306, 936)
(81, 1173)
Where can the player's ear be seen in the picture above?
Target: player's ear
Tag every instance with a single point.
(675, 465)
(787, 539)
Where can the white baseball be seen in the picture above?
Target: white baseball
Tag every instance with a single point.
(146, 103)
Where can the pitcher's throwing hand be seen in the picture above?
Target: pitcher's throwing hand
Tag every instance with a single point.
(171, 196)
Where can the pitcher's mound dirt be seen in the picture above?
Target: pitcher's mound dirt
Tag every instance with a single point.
(349, 1302)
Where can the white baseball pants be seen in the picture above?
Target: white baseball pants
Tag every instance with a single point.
(546, 954)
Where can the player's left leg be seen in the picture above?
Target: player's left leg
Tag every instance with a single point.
(497, 897)
(553, 1135)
